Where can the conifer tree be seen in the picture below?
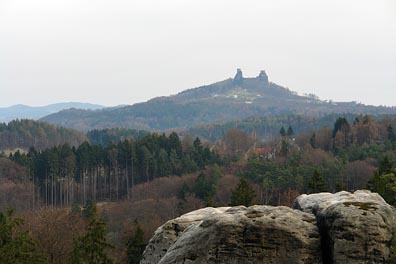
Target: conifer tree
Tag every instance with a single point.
(89, 210)
(204, 186)
(341, 124)
(17, 246)
(135, 246)
(384, 181)
(91, 247)
(391, 134)
(284, 148)
(317, 183)
(312, 140)
(243, 194)
(290, 131)
(282, 131)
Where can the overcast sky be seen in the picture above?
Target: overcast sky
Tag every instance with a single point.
(121, 52)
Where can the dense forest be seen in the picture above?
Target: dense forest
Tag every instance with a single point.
(343, 156)
(64, 175)
(265, 128)
(139, 180)
(26, 133)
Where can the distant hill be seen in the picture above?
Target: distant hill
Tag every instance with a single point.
(262, 128)
(228, 100)
(25, 133)
(36, 112)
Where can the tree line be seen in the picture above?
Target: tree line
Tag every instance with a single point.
(25, 133)
(64, 175)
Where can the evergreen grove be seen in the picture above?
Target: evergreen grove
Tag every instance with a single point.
(64, 175)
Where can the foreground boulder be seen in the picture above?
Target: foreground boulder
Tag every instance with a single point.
(167, 234)
(323, 228)
(355, 227)
(258, 234)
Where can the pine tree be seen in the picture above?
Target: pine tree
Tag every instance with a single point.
(391, 134)
(341, 124)
(91, 247)
(312, 140)
(385, 185)
(204, 186)
(282, 131)
(384, 181)
(385, 166)
(290, 131)
(17, 246)
(89, 210)
(284, 148)
(135, 246)
(243, 194)
(175, 143)
(317, 183)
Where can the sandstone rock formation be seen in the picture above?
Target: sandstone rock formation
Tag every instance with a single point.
(355, 228)
(258, 234)
(315, 203)
(166, 235)
(323, 228)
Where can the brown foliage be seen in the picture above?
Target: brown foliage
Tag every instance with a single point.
(163, 187)
(316, 156)
(226, 185)
(366, 130)
(287, 198)
(18, 196)
(54, 230)
(324, 138)
(10, 171)
(16, 191)
(236, 142)
(151, 205)
(358, 173)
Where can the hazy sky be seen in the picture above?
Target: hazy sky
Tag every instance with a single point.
(121, 52)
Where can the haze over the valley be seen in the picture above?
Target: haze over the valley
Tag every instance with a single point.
(123, 52)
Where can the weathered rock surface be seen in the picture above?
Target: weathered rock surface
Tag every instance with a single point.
(257, 234)
(166, 235)
(315, 203)
(355, 227)
(323, 228)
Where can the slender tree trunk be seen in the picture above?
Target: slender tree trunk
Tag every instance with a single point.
(52, 190)
(127, 179)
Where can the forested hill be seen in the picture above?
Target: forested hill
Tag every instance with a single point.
(267, 128)
(27, 133)
(36, 112)
(231, 99)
